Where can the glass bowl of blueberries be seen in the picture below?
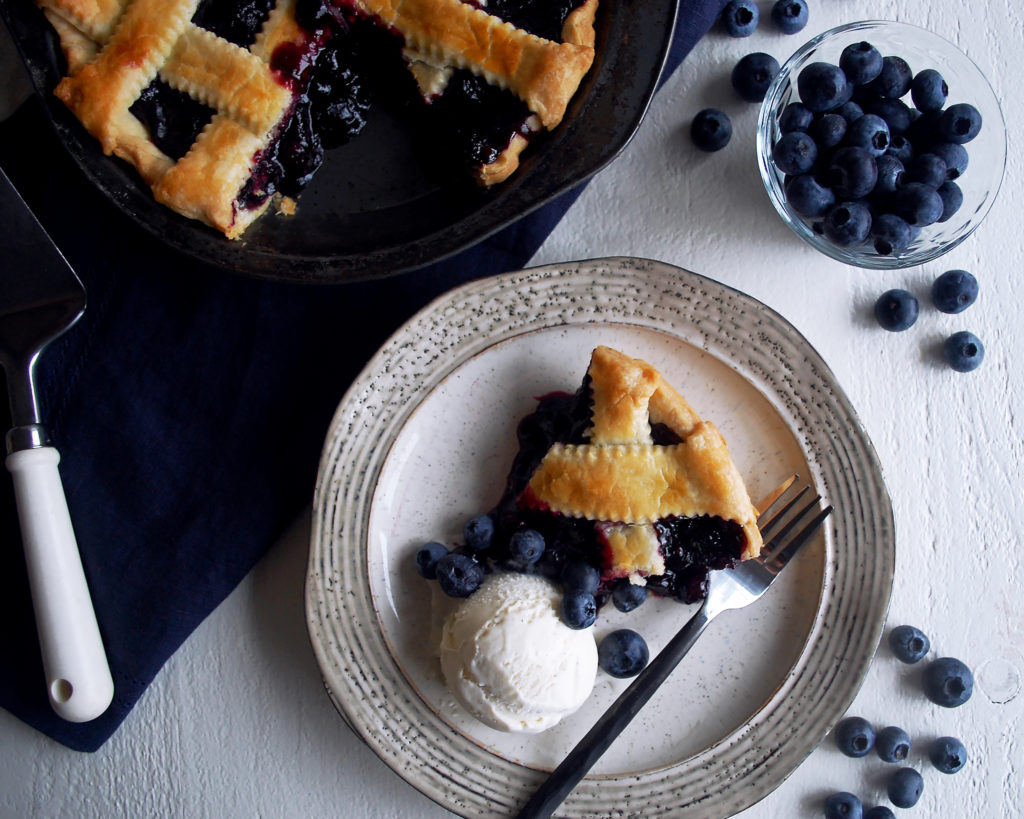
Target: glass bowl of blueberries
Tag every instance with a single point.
(881, 144)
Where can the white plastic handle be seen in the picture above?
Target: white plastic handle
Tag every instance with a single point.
(77, 674)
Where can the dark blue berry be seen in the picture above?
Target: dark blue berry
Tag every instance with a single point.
(852, 172)
(623, 653)
(870, 132)
(901, 148)
(890, 234)
(526, 546)
(427, 557)
(879, 812)
(843, 805)
(952, 198)
(954, 291)
(579, 609)
(711, 130)
(627, 596)
(947, 754)
(822, 86)
(850, 111)
(959, 123)
(905, 787)
(580, 576)
(954, 155)
(964, 352)
(795, 153)
(890, 174)
(459, 575)
(848, 224)
(828, 130)
(478, 532)
(854, 736)
(739, 18)
(795, 117)
(928, 169)
(892, 744)
(919, 204)
(948, 682)
(753, 74)
(790, 16)
(893, 81)
(896, 113)
(928, 90)
(896, 310)
(807, 196)
(861, 62)
(909, 644)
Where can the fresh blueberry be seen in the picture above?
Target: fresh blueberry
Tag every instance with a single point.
(928, 90)
(901, 148)
(795, 153)
(848, 224)
(892, 744)
(919, 204)
(807, 196)
(850, 111)
(879, 812)
(627, 596)
(459, 575)
(964, 352)
(843, 805)
(579, 609)
(890, 234)
(861, 62)
(954, 155)
(928, 169)
(822, 86)
(893, 81)
(904, 788)
(795, 117)
(852, 172)
(947, 754)
(427, 557)
(753, 74)
(869, 132)
(526, 546)
(711, 130)
(952, 198)
(478, 532)
(909, 644)
(897, 114)
(579, 576)
(828, 130)
(948, 682)
(739, 18)
(960, 123)
(954, 291)
(790, 16)
(896, 310)
(854, 736)
(623, 653)
(890, 175)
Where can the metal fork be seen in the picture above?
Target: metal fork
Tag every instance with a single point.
(727, 589)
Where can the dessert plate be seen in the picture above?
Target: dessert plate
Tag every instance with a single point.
(373, 209)
(423, 439)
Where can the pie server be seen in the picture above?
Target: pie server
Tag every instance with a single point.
(40, 298)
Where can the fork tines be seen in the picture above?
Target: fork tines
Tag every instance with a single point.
(777, 528)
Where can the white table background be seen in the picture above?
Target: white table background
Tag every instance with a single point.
(237, 723)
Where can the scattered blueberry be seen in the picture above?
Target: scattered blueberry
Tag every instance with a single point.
(964, 352)
(905, 787)
(627, 596)
(579, 609)
(795, 153)
(918, 203)
(879, 812)
(427, 557)
(580, 576)
(861, 62)
(478, 532)
(892, 744)
(909, 644)
(828, 130)
(795, 117)
(959, 123)
(753, 74)
(822, 86)
(808, 197)
(843, 805)
(952, 198)
(739, 18)
(623, 653)
(890, 234)
(947, 754)
(928, 169)
(854, 736)
(790, 16)
(852, 172)
(954, 155)
(459, 575)
(711, 130)
(948, 682)
(896, 310)
(848, 224)
(871, 133)
(954, 291)
(928, 90)
(893, 81)
(526, 546)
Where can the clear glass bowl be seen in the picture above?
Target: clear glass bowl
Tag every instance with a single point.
(921, 49)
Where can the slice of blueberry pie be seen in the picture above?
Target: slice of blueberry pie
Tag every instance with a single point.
(226, 106)
(626, 476)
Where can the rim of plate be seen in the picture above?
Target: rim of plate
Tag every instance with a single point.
(365, 682)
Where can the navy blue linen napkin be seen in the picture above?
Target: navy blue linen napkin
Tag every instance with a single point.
(190, 406)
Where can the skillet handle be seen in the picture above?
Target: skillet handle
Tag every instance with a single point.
(78, 677)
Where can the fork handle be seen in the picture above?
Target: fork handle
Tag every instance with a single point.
(605, 731)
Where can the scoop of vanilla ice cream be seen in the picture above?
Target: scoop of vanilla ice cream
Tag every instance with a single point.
(511, 661)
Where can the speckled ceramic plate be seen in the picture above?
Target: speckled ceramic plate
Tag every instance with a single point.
(424, 438)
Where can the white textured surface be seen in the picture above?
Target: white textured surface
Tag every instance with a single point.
(237, 724)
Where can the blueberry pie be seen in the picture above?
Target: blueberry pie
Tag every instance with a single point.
(227, 106)
(625, 475)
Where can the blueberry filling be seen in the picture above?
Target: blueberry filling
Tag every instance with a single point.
(173, 118)
(237, 21)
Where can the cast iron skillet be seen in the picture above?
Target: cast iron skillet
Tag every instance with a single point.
(373, 209)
